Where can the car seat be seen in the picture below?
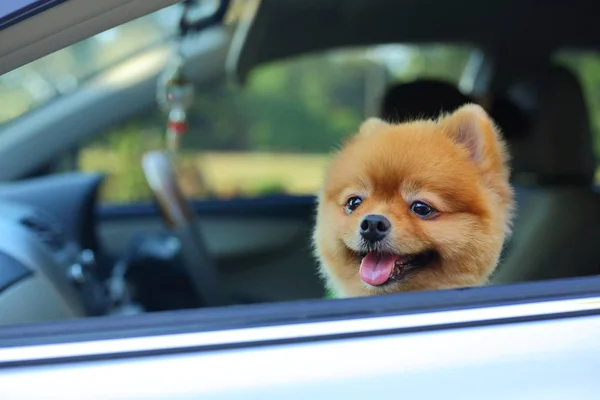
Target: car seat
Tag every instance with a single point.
(423, 98)
(557, 227)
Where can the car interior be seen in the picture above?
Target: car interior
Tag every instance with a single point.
(68, 255)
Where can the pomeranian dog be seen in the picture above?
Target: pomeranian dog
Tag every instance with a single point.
(421, 205)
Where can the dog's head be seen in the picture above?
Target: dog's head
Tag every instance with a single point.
(415, 206)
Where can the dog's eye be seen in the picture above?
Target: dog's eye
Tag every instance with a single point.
(352, 204)
(421, 209)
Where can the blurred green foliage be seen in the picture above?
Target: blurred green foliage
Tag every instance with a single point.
(301, 106)
(586, 65)
(306, 105)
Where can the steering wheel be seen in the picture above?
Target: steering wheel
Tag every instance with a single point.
(180, 218)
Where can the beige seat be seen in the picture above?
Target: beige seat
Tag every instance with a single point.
(557, 229)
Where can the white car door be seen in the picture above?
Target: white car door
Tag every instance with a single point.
(528, 341)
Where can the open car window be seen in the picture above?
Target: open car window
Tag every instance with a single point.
(271, 136)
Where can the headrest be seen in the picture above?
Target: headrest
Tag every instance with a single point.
(512, 120)
(423, 98)
(559, 146)
(427, 98)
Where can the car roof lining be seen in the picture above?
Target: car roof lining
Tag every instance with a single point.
(279, 27)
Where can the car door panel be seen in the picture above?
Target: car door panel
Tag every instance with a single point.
(261, 246)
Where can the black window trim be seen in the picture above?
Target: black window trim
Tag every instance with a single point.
(27, 12)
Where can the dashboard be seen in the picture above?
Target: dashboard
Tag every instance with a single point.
(48, 250)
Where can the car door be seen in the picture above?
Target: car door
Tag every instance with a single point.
(464, 341)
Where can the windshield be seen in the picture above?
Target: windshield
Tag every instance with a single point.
(34, 84)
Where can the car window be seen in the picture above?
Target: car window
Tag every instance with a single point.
(273, 135)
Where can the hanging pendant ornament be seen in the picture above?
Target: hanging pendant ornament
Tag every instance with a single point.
(175, 97)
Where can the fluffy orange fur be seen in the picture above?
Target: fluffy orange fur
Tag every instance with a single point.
(457, 164)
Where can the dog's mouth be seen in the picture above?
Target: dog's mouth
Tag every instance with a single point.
(378, 269)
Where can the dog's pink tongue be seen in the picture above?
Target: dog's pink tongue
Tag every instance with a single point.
(375, 269)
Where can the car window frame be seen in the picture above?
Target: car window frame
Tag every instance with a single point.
(468, 360)
(583, 293)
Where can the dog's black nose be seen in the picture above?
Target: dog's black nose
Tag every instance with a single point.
(374, 227)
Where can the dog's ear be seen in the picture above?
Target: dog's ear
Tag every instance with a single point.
(372, 125)
(472, 128)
